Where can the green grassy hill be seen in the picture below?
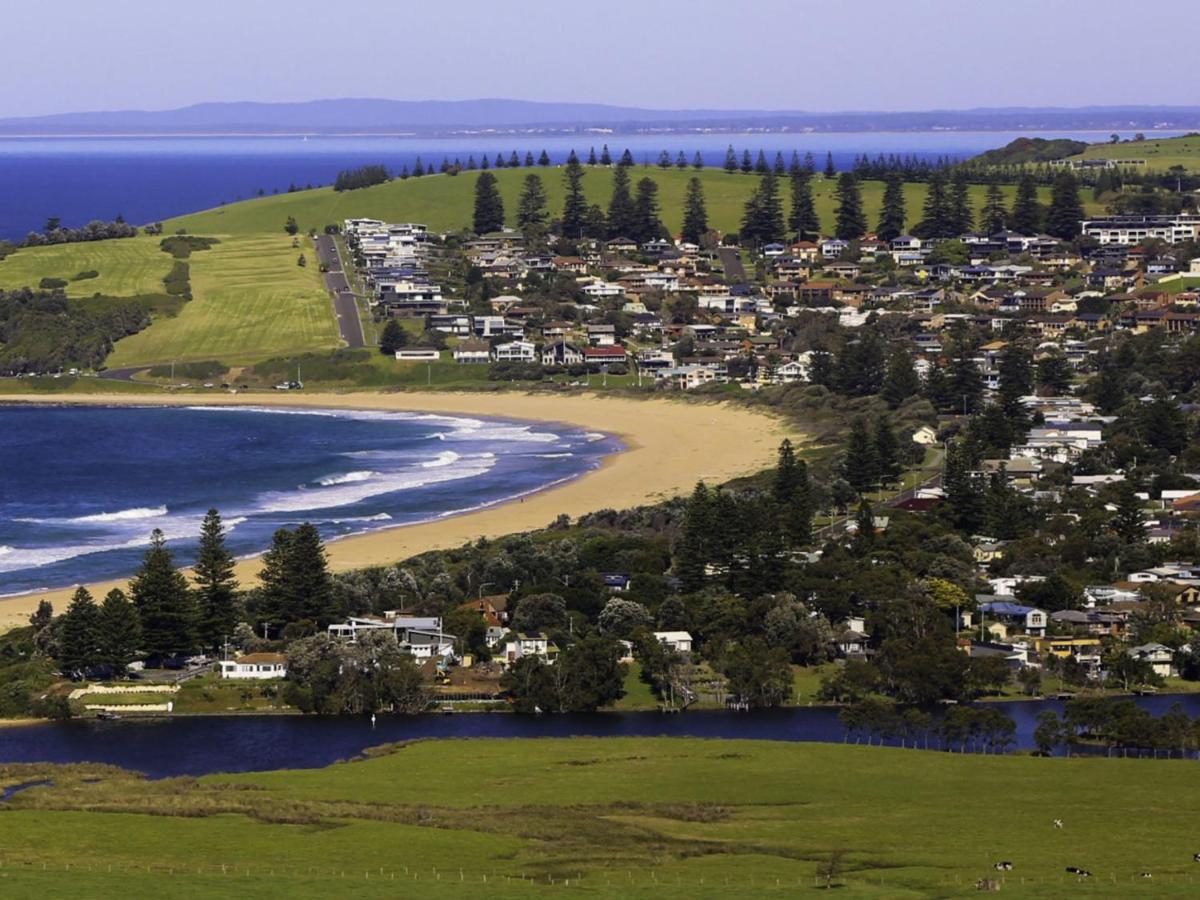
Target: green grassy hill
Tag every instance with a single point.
(445, 202)
(127, 266)
(614, 817)
(1159, 153)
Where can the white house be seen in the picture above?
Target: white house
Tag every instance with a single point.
(418, 354)
(520, 645)
(679, 641)
(1160, 658)
(516, 351)
(258, 666)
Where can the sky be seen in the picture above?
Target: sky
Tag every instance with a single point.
(83, 55)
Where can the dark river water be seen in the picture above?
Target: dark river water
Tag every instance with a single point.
(205, 744)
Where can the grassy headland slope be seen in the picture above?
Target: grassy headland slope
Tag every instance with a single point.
(250, 301)
(127, 267)
(445, 202)
(616, 817)
(1159, 153)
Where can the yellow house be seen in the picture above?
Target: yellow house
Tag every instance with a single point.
(1064, 647)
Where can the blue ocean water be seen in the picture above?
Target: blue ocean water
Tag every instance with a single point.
(81, 488)
(148, 179)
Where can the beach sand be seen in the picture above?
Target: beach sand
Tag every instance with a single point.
(669, 445)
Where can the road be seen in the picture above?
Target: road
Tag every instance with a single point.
(344, 302)
(731, 262)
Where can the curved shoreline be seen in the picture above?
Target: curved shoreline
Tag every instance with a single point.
(666, 447)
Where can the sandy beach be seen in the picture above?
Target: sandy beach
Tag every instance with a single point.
(669, 446)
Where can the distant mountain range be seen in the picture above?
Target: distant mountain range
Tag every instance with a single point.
(449, 117)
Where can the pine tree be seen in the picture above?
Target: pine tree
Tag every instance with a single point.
(591, 160)
(830, 169)
(964, 496)
(295, 581)
(392, 338)
(575, 209)
(664, 160)
(514, 161)
(698, 533)
(1127, 521)
(529, 159)
(1016, 380)
(626, 158)
(1026, 215)
(780, 167)
(887, 453)
(489, 207)
(681, 161)
(120, 631)
(164, 603)
(531, 209)
(647, 225)
(792, 494)
(544, 159)
(79, 635)
(851, 220)
(622, 217)
(216, 588)
(747, 163)
(966, 381)
(893, 214)
(901, 380)
(860, 467)
(731, 163)
(605, 156)
(803, 219)
(994, 215)
(936, 215)
(937, 389)
(960, 213)
(695, 213)
(864, 530)
(1066, 210)
(760, 164)
(697, 161)
(499, 161)
(810, 164)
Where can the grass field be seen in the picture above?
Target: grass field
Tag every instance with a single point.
(445, 203)
(127, 267)
(611, 817)
(1159, 153)
(251, 301)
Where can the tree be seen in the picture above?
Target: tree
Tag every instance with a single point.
(538, 612)
(762, 220)
(792, 494)
(731, 162)
(851, 220)
(830, 169)
(295, 582)
(966, 382)
(959, 205)
(893, 213)
(695, 213)
(592, 674)
(747, 164)
(216, 588)
(1127, 521)
(697, 161)
(575, 209)
(695, 543)
(758, 674)
(1054, 373)
(803, 218)
(626, 158)
(936, 217)
(79, 635)
(807, 637)
(860, 466)
(164, 603)
(543, 159)
(489, 207)
(1026, 215)
(622, 216)
(291, 227)
(1049, 732)
(681, 160)
(994, 214)
(647, 226)
(1016, 380)
(605, 156)
(1066, 210)
(392, 338)
(531, 208)
(120, 631)
(887, 453)
(621, 617)
(664, 160)
(901, 380)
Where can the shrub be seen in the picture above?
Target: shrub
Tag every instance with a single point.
(52, 284)
(86, 274)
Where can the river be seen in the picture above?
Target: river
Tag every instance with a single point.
(202, 745)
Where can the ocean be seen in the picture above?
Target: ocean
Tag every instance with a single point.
(149, 179)
(81, 488)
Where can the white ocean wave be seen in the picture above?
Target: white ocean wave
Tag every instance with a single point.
(378, 517)
(445, 458)
(347, 478)
(385, 483)
(5, 549)
(553, 455)
(137, 513)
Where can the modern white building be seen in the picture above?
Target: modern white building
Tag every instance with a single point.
(255, 666)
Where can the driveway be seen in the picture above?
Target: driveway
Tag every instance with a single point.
(344, 302)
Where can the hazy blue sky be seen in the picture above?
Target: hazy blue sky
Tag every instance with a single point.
(790, 54)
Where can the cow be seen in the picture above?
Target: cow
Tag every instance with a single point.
(1058, 824)
(1004, 866)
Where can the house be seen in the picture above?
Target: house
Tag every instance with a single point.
(1027, 618)
(925, 436)
(1160, 658)
(616, 581)
(515, 351)
(418, 354)
(679, 641)
(535, 643)
(420, 636)
(601, 335)
(473, 352)
(603, 356)
(852, 640)
(561, 353)
(256, 666)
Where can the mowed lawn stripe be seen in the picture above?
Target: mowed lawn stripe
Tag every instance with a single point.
(250, 301)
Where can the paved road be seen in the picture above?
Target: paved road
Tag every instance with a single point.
(344, 303)
(731, 262)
